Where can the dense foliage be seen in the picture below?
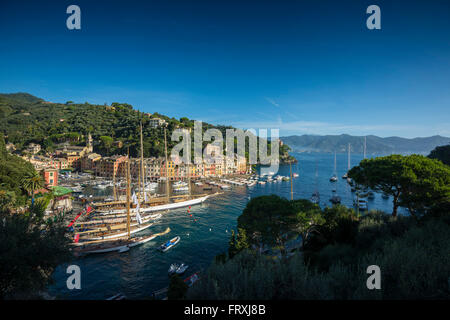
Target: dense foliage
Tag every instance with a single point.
(30, 249)
(177, 288)
(413, 258)
(12, 171)
(441, 153)
(415, 182)
(25, 119)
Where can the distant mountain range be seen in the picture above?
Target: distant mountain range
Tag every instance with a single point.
(374, 144)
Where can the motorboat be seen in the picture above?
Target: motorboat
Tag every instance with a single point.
(315, 198)
(169, 244)
(361, 204)
(335, 199)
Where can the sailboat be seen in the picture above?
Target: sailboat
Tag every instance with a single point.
(292, 189)
(360, 203)
(315, 198)
(117, 230)
(365, 147)
(334, 177)
(177, 201)
(345, 176)
(335, 199)
(123, 242)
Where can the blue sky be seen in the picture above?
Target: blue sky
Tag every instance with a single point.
(300, 66)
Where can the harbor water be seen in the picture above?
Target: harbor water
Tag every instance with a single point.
(204, 232)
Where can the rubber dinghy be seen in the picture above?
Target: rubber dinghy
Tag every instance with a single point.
(169, 244)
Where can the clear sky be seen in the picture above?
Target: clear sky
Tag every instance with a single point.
(300, 66)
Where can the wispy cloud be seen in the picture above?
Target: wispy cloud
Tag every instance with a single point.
(272, 102)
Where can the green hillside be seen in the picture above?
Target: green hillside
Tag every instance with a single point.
(25, 119)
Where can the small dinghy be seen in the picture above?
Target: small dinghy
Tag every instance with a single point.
(173, 268)
(169, 244)
(177, 269)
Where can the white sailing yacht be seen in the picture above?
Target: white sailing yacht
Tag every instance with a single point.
(148, 207)
(122, 240)
(315, 198)
(334, 177)
(345, 176)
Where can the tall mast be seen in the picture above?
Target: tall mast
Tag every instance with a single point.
(348, 156)
(189, 177)
(139, 183)
(335, 162)
(114, 184)
(142, 163)
(167, 166)
(128, 194)
(364, 147)
(189, 171)
(316, 176)
(292, 191)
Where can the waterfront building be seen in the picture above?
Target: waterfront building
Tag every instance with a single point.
(62, 200)
(110, 166)
(88, 162)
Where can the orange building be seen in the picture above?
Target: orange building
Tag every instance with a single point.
(50, 176)
(109, 166)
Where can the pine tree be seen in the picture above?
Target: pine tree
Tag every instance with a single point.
(241, 240)
(232, 251)
(2, 147)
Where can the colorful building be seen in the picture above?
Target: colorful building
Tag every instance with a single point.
(50, 176)
(110, 166)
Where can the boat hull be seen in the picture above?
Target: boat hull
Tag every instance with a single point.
(162, 207)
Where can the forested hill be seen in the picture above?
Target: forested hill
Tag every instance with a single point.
(374, 144)
(25, 119)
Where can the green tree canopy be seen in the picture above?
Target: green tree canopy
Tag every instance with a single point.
(267, 219)
(177, 288)
(441, 153)
(30, 250)
(31, 182)
(414, 181)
